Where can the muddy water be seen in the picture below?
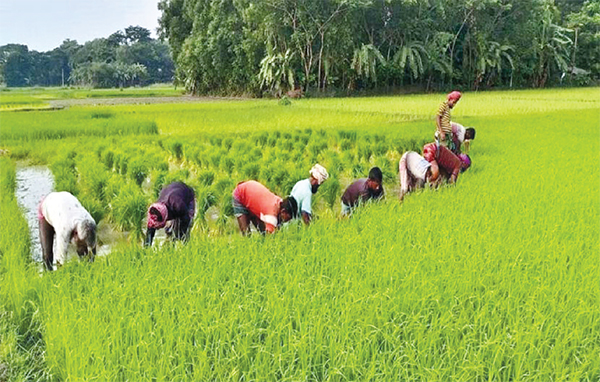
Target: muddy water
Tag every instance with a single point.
(33, 183)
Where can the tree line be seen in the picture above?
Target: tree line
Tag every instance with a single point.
(125, 58)
(252, 47)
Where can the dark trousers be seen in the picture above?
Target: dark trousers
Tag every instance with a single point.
(179, 228)
(47, 240)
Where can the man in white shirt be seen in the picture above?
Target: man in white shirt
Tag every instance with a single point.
(60, 214)
(304, 190)
(461, 135)
(414, 172)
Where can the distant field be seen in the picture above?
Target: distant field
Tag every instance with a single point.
(15, 98)
(495, 279)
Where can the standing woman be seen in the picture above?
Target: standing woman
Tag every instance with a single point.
(60, 214)
(176, 204)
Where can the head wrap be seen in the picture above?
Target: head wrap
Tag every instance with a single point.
(455, 95)
(466, 160)
(319, 173)
(153, 220)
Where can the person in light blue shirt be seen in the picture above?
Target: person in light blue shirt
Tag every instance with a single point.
(304, 190)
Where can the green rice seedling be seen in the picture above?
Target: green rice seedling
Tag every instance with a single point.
(177, 176)
(206, 178)
(331, 192)
(227, 143)
(158, 182)
(102, 114)
(138, 171)
(96, 208)
(251, 171)
(93, 179)
(204, 200)
(128, 210)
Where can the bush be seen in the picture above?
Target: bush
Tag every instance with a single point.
(284, 101)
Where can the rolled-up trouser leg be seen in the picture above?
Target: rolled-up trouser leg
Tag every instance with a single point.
(47, 240)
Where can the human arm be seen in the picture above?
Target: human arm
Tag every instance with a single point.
(63, 237)
(149, 237)
(306, 217)
(440, 131)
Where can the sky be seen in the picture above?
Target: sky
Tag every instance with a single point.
(43, 25)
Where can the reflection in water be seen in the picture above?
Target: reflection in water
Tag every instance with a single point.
(33, 183)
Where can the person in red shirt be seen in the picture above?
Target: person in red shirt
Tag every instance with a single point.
(446, 160)
(254, 203)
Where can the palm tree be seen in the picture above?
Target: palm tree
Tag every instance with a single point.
(551, 47)
(411, 56)
(490, 59)
(276, 72)
(364, 62)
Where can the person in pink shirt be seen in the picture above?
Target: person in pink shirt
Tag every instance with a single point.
(254, 203)
(62, 216)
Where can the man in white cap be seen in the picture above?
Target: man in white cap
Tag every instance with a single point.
(304, 189)
(414, 172)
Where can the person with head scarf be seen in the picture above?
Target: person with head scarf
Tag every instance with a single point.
(174, 210)
(60, 214)
(304, 190)
(363, 190)
(447, 162)
(443, 133)
(414, 172)
(461, 135)
(256, 204)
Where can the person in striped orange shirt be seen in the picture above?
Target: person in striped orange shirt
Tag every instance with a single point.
(443, 134)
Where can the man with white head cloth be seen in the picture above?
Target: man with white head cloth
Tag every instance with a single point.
(304, 189)
(414, 172)
(60, 214)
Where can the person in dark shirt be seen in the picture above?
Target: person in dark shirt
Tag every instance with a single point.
(176, 205)
(363, 190)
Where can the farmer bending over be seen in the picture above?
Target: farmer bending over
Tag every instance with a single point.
(443, 133)
(174, 210)
(60, 214)
(363, 190)
(414, 172)
(254, 203)
(461, 135)
(443, 158)
(304, 189)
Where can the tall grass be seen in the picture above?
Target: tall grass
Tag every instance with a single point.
(493, 279)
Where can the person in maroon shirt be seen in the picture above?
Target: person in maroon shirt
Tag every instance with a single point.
(363, 190)
(176, 205)
(447, 162)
